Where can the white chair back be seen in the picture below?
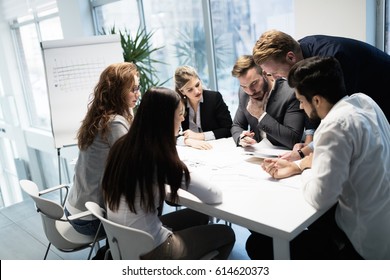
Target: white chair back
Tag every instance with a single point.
(57, 228)
(125, 243)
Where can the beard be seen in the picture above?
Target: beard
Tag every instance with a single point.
(260, 95)
(313, 116)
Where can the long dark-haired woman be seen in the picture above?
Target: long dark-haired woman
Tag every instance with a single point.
(139, 167)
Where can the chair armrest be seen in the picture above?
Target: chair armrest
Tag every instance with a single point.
(80, 215)
(52, 189)
(57, 188)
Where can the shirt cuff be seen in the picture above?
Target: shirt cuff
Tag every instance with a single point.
(297, 162)
(180, 141)
(262, 116)
(309, 131)
(209, 135)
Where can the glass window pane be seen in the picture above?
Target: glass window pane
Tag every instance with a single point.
(179, 29)
(236, 27)
(121, 14)
(32, 67)
(35, 82)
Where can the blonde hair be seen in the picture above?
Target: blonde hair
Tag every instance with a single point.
(182, 75)
(274, 44)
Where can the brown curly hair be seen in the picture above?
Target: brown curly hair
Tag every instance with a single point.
(109, 98)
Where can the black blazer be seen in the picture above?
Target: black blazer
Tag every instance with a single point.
(366, 68)
(214, 115)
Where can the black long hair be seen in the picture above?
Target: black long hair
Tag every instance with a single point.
(146, 156)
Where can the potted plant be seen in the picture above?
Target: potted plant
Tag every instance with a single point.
(138, 50)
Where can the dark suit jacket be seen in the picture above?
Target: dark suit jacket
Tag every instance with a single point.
(366, 68)
(214, 115)
(283, 122)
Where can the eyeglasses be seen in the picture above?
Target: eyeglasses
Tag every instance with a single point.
(136, 89)
(251, 85)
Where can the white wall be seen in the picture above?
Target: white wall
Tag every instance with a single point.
(346, 18)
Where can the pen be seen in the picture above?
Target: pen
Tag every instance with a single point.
(242, 137)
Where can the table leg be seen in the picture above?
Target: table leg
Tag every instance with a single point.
(281, 249)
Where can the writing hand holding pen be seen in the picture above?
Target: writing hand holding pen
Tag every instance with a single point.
(246, 138)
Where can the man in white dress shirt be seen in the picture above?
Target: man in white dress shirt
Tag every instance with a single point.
(349, 167)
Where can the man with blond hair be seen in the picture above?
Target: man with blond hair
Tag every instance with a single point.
(364, 66)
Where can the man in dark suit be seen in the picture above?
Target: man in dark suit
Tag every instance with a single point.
(365, 67)
(267, 106)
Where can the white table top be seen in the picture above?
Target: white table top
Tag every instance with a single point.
(251, 198)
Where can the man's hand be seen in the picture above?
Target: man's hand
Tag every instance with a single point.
(246, 138)
(280, 168)
(291, 156)
(256, 107)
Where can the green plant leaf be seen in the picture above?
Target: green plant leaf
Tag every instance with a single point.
(138, 49)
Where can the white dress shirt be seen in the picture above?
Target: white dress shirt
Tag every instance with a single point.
(351, 164)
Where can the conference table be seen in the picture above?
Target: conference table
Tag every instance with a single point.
(251, 197)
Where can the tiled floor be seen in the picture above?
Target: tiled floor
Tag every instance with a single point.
(22, 236)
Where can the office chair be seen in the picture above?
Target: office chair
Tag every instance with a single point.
(56, 226)
(127, 243)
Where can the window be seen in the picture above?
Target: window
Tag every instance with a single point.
(183, 30)
(120, 14)
(236, 27)
(30, 22)
(179, 29)
(29, 31)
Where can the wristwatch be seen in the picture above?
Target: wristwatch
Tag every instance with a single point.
(301, 153)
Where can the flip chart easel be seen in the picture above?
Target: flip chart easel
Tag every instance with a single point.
(72, 69)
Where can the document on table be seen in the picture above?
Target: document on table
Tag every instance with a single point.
(230, 166)
(264, 149)
(224, 153)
